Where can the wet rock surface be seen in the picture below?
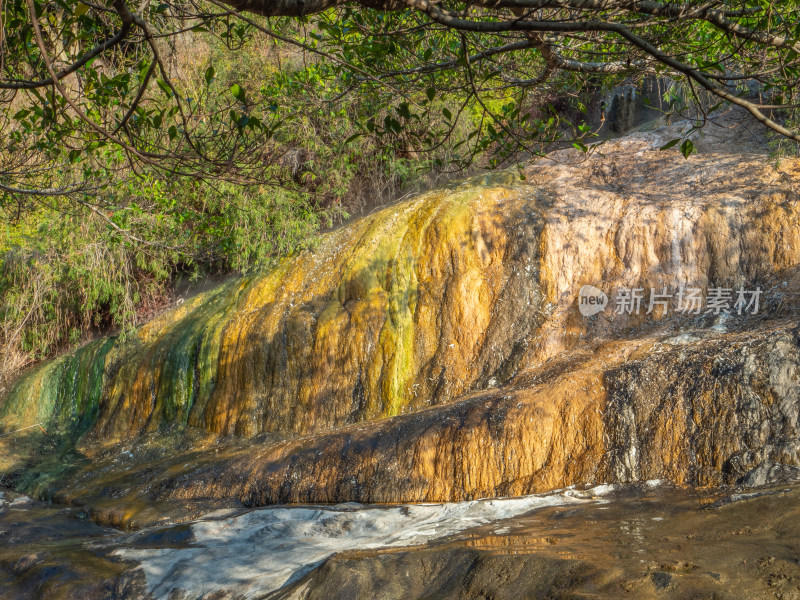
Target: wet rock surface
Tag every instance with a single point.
(642, 544)
(53, 552)
(449, 573)
(699, 413)
(434, 352)
(637, 541)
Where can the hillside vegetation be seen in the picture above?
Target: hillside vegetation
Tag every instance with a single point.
(180, 140)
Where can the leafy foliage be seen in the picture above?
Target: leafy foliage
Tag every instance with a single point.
(63, 274)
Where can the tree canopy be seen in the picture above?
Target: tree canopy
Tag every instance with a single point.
(86, 76)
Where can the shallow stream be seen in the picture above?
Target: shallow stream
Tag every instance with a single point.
(638, 541)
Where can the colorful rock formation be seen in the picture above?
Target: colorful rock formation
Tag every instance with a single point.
(434, 351)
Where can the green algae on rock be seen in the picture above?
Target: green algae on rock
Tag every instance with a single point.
(433, 351)
(401, 310)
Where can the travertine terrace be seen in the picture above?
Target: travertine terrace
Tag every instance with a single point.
(433, 351)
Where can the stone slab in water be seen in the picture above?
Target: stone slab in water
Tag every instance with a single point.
(639, 541)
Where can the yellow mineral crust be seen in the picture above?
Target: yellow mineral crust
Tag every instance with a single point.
(434, 350)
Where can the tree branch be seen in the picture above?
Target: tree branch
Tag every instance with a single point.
(96, 51)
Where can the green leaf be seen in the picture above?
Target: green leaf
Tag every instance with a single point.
(431, 93)
(165, 88)
(687, 148)
(237, 92)
(143, 70)
(210, 72)
(173, 132)
(403, 110)
(670, 144)
(447, 114)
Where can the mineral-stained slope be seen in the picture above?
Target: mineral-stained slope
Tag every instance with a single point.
(434, 350)
(720, 410)
(405, 309)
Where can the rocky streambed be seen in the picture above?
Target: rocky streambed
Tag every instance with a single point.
(648, 540)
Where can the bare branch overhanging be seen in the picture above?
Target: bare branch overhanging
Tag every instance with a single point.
(569, 35)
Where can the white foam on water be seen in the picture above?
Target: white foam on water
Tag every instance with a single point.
(261, 550)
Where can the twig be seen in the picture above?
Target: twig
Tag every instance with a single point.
(39, 425)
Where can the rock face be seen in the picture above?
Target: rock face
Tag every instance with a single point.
(434, 351)
(406, 309)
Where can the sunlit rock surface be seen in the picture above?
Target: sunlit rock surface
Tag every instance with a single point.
(434, 351)
(405, 309)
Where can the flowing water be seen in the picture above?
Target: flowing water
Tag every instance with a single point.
(641, 541)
